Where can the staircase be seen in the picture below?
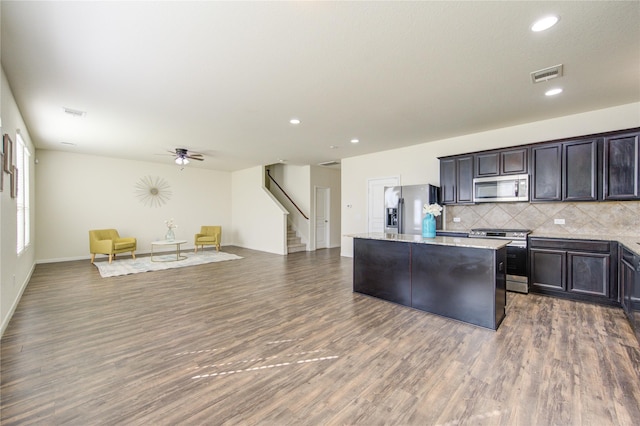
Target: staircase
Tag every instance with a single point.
(293, 241)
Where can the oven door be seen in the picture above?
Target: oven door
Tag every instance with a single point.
(517, 258)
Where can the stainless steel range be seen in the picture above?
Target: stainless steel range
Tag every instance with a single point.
(517, 256)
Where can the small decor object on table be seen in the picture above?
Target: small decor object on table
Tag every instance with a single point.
(429, 222)
(170, 236)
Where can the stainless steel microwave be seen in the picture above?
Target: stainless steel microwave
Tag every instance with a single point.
(496, 189)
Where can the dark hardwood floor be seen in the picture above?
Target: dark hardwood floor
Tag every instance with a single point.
(283, 340)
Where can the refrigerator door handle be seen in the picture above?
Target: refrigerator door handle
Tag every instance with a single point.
(400, 215)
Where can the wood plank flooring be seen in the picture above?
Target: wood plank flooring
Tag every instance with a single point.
(283, 340)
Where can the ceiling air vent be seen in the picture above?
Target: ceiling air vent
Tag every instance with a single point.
(329, 163)
(547, 74)
(74, 112)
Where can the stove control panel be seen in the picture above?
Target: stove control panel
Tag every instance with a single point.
(489, 233)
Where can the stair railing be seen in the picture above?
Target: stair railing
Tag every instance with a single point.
(286, 195)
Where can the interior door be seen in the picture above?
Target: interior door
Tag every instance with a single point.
(375, 202)
(322, 217)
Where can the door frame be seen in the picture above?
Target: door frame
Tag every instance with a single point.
(326, 191)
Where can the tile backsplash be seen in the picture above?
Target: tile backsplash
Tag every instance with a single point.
(586, 218)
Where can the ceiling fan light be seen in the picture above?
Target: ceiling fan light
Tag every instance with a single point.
(181, 161)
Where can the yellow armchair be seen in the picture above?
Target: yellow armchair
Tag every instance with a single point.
(209, 235)
(108, 241)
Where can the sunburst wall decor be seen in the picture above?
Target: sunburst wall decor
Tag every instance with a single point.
(153, 191)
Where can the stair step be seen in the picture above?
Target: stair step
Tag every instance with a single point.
(293, 248)
(294, 242)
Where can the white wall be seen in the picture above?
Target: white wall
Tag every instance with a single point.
(15, 271)
(259, 221)
(419, 163)
(76, 193)
(327, 178)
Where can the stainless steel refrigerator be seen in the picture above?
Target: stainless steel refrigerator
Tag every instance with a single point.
(403, 208)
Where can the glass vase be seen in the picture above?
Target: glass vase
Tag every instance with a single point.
(429, 226)
(169, 236)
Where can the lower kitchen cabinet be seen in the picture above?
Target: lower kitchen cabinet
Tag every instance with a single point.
(629, 284)
(574, 269)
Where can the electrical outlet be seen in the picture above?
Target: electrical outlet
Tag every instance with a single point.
(456, 219)
(558, 221)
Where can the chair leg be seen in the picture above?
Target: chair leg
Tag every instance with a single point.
(110, 258)
(196, 250)
(133, 255)
(93, 257)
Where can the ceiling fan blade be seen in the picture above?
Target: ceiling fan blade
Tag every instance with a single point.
(190, 157)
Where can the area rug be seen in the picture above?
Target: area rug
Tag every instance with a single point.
(144, 264)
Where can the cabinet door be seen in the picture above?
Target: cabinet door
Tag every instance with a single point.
(487, 164)
(548, 269)
(514, 161)
(448, 181)
(588, 273)
(579, 171)
(546, 163)
(465, 179)
(626, 276)
(621, 174)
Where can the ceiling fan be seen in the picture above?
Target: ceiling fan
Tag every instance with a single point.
(183, 156)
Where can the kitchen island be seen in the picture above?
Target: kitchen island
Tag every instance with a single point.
(458, 278)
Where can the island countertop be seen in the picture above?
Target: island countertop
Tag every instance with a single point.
(481, 243)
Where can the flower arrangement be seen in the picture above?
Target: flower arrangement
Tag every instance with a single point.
(434, 209)
(170, 224)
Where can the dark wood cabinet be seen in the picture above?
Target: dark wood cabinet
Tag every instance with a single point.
(448, 181)
(566, 171)
(465, 179)
(580, 170)
(588, 273)
(576, 269)
(514, 161)
(629, 285)
(548, 269)
(456, 180)
(590, 168)
(487, 164)
(501, 162)
(621, 167)
(546, 172)
(626, 280)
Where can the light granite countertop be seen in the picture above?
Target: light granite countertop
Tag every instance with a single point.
(481, 243)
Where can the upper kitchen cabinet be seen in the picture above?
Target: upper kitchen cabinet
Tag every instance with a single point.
(566, 171)
(501, 162)
(456, 179)
(546, 172)
(580, 170)
(621, 167)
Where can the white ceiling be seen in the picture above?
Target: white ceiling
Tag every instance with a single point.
(224, 78)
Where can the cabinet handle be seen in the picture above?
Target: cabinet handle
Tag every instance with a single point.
(500, 266)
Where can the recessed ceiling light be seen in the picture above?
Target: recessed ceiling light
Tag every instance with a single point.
(354, 140)
(295, 121)
(280, 160)
(333, 146)
(544, 23)
(553, 92)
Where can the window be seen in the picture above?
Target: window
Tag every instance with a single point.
(22, 200)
